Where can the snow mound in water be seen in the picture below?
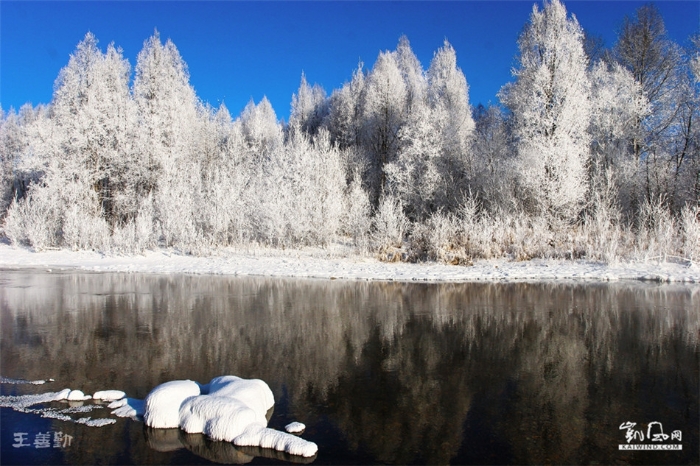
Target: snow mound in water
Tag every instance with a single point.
(109, 395)
(295, 428)
(62, 395)
(228, 408)
(257, 436)
(77, 395)
(162, 404)
(127, 407)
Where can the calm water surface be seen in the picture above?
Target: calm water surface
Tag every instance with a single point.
(379, 372)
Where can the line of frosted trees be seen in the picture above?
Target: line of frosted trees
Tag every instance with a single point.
(594, 153)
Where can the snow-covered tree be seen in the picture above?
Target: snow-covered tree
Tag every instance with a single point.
(416, 176)
(309, 107)
(413, 75)
(493, 179)
(384, 113)
(37, 145)
(695, 57)
(617, 105)
(13, 142)
(550, 105)
(169, 117)
(303, 184)
(357, 220)
(91, 110)
(448, 95)
(225, 173)
(434, 161)
(345, 108)
(73, 163)
(657, 64)
(261, 129)
(167, 109)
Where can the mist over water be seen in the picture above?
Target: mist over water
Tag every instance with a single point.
(379, 372)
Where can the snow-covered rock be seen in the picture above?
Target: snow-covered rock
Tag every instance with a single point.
(71, 395)
(256, 436)
(228, 408)
(295, 428)
(77, 395)
(218, 417)
(127, 407)
(109, 395)
(62, 395)
(162, 404)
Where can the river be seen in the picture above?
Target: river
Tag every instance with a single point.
(380, 372)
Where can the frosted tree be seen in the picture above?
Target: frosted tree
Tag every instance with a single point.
(169, 116)
(617, 105)
(344, 123)
(345, 109)
(656, 63)
(550, 105)
(695, 58)
(114, 136)
(303, 184)
(493, 172)
(434, 158)
(261, 129)
(13, 142)
(694, 169)
(225, 173)
(384, 113)
(38, 143)
(78, 153)
(357, 220)
(415, 177)
(167, 109)
(448, 96)
(309, 107)
(413, 75)
(91, 110)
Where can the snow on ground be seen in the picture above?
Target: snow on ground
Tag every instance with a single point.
(318, 263)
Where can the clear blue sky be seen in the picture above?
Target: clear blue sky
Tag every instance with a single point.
(242, 50)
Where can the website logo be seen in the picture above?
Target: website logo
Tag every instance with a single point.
(655, 438)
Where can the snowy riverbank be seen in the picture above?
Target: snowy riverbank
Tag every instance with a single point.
(317, 263)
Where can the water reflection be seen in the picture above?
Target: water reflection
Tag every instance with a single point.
(168, 440)
(380, 372)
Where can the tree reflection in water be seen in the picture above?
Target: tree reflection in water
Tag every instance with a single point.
(380, 372)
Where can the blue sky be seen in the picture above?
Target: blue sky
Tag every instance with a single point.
(241, 50)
